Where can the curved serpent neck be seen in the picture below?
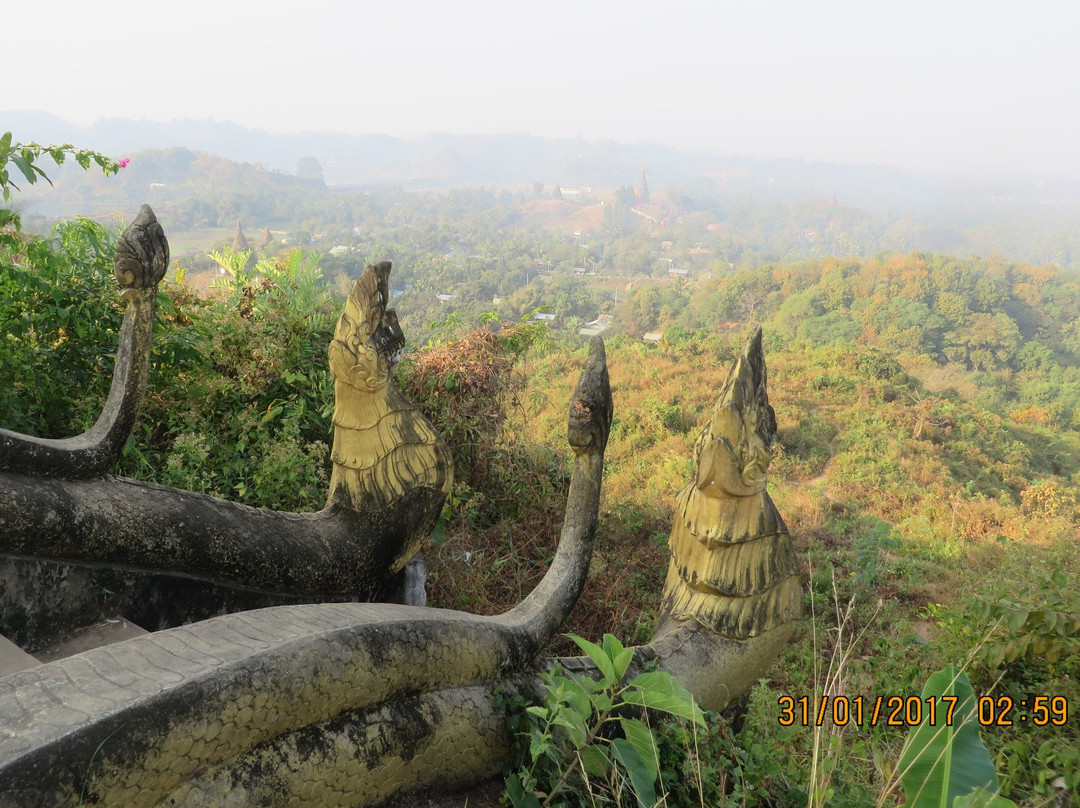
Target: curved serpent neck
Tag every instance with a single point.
(591, 413)
(142, 256)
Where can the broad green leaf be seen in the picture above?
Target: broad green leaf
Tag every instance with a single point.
(658, 690)
(612, 646)
(539, 746)
(518, 797)
(636, 771)
(602, 701)
(595, 761)
(644, 742)
(622, 662)
(25, 167)
(514, 789)
(574, 724)
(1015, 620)
(981, 798)
(574, 695)
(5, 142)
(598, 656)
(939, 763)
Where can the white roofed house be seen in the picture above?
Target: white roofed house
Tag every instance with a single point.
(596, 327)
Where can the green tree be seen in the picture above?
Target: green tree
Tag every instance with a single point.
(26, 158)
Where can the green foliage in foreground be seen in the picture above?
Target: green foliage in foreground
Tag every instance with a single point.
(245, 412)
(1039, 624)
(586, 745)
(60, 318)
(605, 742)
(26, 157)
(944, 762)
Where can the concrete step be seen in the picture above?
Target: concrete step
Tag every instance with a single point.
(13, 658)
(106, 632)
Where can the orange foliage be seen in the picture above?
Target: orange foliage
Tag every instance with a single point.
(1030, 415)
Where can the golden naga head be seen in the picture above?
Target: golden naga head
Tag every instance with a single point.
(732, 454)
(368, 339)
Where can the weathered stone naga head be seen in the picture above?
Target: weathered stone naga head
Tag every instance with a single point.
(142, 256)
(591, 408)
(142, 253)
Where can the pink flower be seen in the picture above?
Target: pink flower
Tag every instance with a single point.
(123, 161)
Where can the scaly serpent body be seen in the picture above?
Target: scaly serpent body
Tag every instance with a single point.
(346, 704)
(331, 704)
(391, 471)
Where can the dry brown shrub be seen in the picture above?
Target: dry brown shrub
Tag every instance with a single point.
(981, 519)
(462, 388)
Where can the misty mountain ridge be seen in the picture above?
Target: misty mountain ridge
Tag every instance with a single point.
(445, 160)
(208, 173)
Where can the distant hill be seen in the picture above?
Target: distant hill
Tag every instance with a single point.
(182, 164)
(443, 160)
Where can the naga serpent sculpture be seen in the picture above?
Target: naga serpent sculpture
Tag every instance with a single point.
(341, 703)
(733, 591)
(142, 256)
(391, 471)
(350, 703)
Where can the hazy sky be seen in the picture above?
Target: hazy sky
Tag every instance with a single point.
(980, 86)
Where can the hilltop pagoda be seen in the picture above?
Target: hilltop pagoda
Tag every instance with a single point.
(641, 190)
(240, 244)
